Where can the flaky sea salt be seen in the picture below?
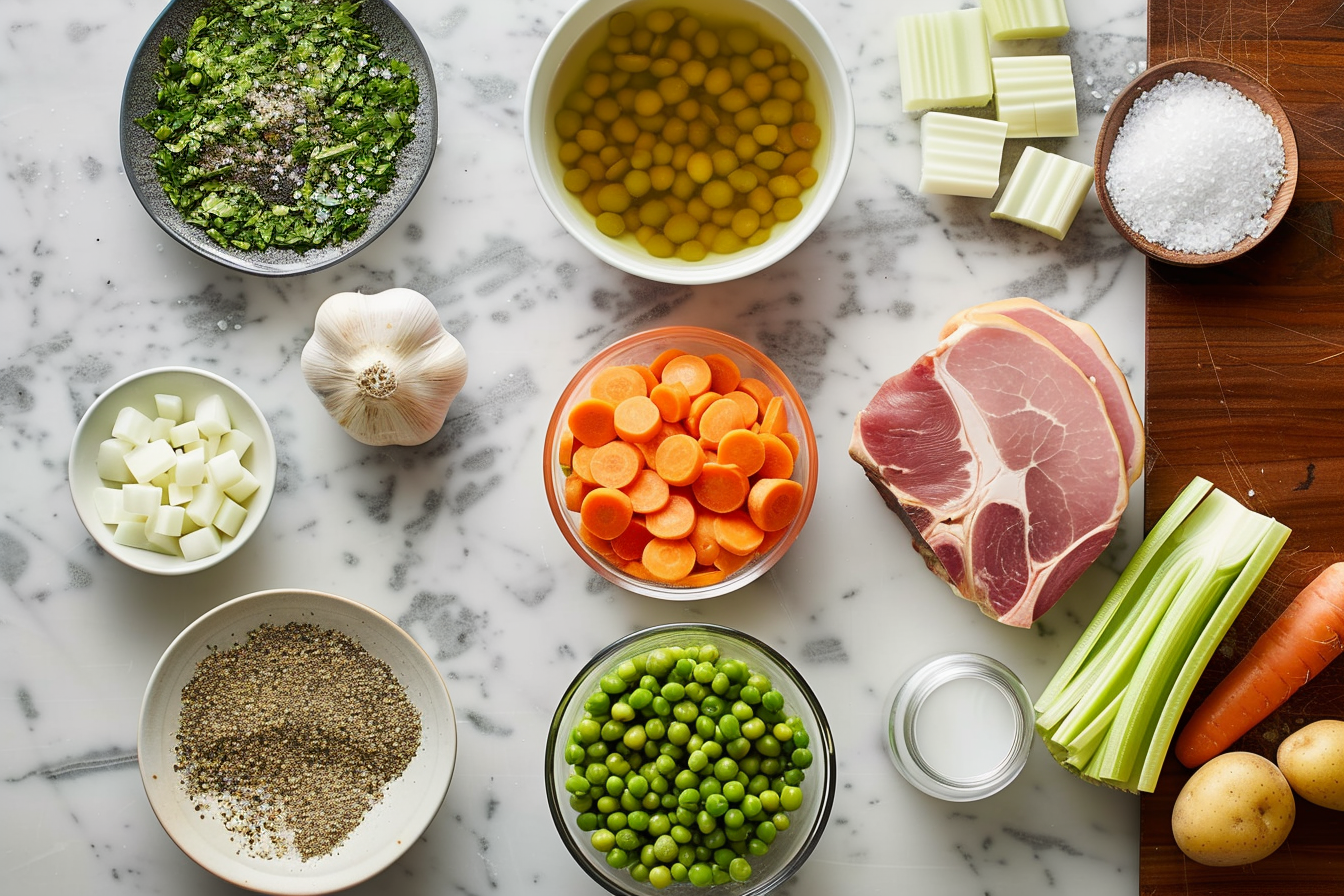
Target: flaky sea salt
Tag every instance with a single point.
(1195, 165)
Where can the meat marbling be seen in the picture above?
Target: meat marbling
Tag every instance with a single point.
(999, 455)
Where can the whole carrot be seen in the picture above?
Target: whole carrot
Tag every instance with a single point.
(1305, 638)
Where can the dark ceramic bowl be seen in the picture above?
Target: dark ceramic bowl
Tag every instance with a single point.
(139, 98)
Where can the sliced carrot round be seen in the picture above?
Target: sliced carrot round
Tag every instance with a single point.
(751, 412)
(629, 545)
(566, 448)
(616, 384)
(743, 449)
(599, 546)
(703, 540)
(791, 441)
(637, 419)
(649, 379)
(606, 512)
(672, 399)
(583, 464)
(675, 520)
(774, 503)
(724, 373)
(757, 390)
(616, 464)
(699, 405)
(719, 419)
(593, 422)
(575, 491)
(778, 459)
(668, 560)
(689, 370)
(648, 492)
(737, 534)
(657, 364)
(721, 488)
(680, 459)
(775, 419)
(703, 578)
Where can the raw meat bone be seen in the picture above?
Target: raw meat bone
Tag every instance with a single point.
(1000, 457)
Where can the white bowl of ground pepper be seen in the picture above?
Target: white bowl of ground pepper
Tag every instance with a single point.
(1196, 162)
(296, 742)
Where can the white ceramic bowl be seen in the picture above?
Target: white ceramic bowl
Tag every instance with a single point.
(557, 71)
(409, 803)
(138, 390)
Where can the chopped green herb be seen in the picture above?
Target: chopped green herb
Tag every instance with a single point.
(279, 122)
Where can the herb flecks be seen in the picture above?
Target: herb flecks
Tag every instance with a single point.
(279, 122)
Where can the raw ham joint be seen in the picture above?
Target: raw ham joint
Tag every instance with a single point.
(1008, 451)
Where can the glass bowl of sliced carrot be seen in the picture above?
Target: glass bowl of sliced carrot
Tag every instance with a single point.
(680, 463)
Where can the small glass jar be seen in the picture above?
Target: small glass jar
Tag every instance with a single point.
(960, 726)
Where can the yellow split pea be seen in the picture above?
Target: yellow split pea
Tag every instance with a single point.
(694, 136)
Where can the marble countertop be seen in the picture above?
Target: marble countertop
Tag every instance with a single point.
(453, 539)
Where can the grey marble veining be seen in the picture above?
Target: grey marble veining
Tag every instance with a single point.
(453, 539)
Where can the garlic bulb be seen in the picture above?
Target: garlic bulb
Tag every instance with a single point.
(384, 366)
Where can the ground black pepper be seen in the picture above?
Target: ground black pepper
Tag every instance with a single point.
(290, 737)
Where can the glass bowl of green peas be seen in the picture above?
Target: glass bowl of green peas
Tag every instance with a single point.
(690, 755)
(689, 143)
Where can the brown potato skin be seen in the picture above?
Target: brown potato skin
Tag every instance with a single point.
(1312, 759)
(1235, 810)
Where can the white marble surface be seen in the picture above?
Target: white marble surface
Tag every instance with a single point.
(453, 539)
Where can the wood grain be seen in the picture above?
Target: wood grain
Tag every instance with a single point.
(1245, 386)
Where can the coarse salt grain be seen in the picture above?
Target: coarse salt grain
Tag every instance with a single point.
(1195, 165)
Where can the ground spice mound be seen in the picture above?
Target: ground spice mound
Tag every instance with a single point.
(290, 738)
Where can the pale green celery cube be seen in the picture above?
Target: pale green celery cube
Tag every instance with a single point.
(169, 406)
(1044, 192)
(109, 504)
(112, 460)
(224, 469)
(1022, 19)
(150, 459)
(205, 501)
(212, 417)
(1034, 95)
(960, 155)
(944, 60)
(183, 433)
(190, 468)
(242, 489)
(237, 441)
(179, 494)
(132, 426)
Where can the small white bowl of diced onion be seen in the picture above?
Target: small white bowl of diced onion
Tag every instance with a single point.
(172, 469)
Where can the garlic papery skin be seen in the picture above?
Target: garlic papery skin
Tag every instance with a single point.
(384, 366)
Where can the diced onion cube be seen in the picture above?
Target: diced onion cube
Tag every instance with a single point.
(190, 468)
(183, 433)
(230, 517)
(167, 520)
(178, 493)
(149, 460)
(224, 469)
(212, 417)
(132, 426)
(160, 428)
(204, 503)
(237, 441)
(141, 500)
(169, 406)
(243, 488)
(108, 503)
(204, 542)
(112, 460)
(133, 536)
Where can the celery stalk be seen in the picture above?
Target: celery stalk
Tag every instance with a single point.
(1110, 711)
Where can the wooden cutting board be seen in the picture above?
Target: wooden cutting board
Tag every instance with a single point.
(1245, 386)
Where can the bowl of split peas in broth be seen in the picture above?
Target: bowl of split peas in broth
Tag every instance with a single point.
(689, 143)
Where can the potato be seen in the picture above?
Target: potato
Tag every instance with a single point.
(1236, 809)
(1312, 759)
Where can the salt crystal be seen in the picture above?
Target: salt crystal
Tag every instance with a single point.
(1195, 166)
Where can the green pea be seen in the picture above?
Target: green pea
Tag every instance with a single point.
(714, 840)
(696, 761)
(685, 816)
(618, 858)
(587, 821)
(794, 776)
(687, 779)
(678, 871)
(705, 822)
(628, 802)
(768, 746)
(613, 730)
(603, 840)
(716, 804)
(724, 857)
(713, 706)
(635, 737)
(780, 821)
(734, 791)
(709, 787)
(772, 766)
(696, 691)
(695, 743)
(737, 837)
(720, 684)
(751, 806)
(688, 799)
(637, 820)
(685, 668)
(639, 698)
(692, 652)
(751, 728)
(659, 662)
(685, 711)
(587, 731)
(686, 855)
(738, 748)
(612, 683)
(750, 766)
(574, 754)
(649, 683)
(660, 876)
(599, 704)
(766, 831)
(597, 773)
(790, 799)
(680, 833)
(739, 869)
(639, 871)
(580, 783)
(705, 727)
(673, 691)
(660, 706)
(720, 877)
(700, 874)
(614, 785)
(728, 728)
(736, 670)
(712, 748)
(725, 769)
(650, 801)
(659, 825)
(597, 751)
(802, 758)
(709, 653)
(750, 694)
(678, 733)
(621, 712)
(607, 804)
(627, 670)
(627, 840)
(758, 681)
(581, 802)
(617, 765)
(616, 821)
(734, 818)
(742, 711)
(703, 673)
(800, 738)
(655, 728)
(772, 700)
(757, 846)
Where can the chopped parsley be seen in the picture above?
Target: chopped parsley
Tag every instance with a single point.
(279, 122)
